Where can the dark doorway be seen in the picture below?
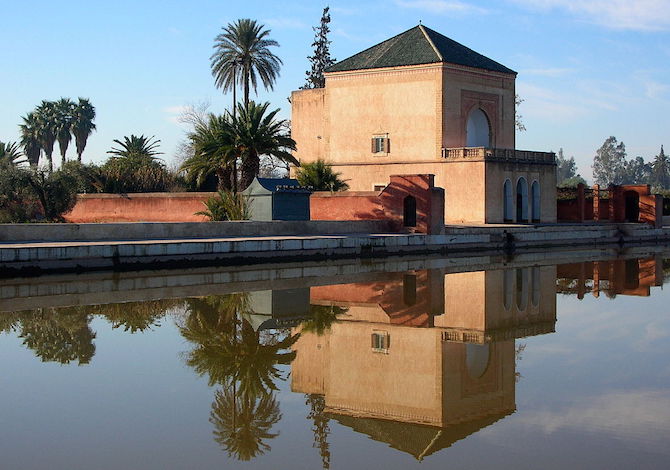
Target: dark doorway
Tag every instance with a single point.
(409, 212)
(632, 199)
(409, 289)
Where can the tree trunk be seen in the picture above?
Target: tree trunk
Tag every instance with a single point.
(250, 167)
(224, 174)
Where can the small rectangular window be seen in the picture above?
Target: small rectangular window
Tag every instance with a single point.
(381, 341)
(378, 187)
(380, 144)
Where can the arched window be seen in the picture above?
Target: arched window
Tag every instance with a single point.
(536, 286)
(478, 131)
(508, 202)
(522, 288)
(535, 196)
(508, 288)
(522, 200)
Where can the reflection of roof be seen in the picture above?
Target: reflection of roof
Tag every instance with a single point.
(418, 440)
(417, 46)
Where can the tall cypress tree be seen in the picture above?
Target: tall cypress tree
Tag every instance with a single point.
(321, 59)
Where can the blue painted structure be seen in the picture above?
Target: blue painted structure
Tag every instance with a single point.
(278, 199)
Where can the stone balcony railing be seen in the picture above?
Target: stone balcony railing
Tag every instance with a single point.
(499, 155)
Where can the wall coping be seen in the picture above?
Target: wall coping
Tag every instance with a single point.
(144, 195)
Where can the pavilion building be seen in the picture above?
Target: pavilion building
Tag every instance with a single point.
(421, 103)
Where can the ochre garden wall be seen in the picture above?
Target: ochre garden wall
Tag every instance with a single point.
(138, 207)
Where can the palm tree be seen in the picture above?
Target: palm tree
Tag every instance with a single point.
(137, 147)
(257, 134)
(46, 119)
(83, 116)
(213, 152)
(244, 45)
(30, 139)
(64, 109)
(10, 153)
(320, 176)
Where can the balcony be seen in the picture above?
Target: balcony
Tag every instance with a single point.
(498, 155)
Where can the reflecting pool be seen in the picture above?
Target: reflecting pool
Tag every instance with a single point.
(552, 360)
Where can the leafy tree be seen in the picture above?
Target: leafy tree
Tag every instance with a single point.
(321, 59)
(637, 171)
(46, 114)
(609, 164)
(320, 176)
(321, 318)
(135, 175)
(221, 141)
(30, 138)
(661, 171)
(214, 152)
(63, 112)
(82, 123)
(565, 167)
(244, 47)
(256, 132)
(56, 192)
(10, 153)
(572, 182)
(139, 147)
(17, 201)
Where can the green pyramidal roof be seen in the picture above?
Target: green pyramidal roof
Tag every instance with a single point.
(416, 46)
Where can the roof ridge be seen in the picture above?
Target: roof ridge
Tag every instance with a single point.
(430, 41)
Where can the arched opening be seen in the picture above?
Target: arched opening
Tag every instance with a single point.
(522, 201)
(521, 288)
(478, 131)
(409, 211)
(477, 357)
(508, 202)
(536, 286)
(508, 288)
(535, 197)
(632, 199)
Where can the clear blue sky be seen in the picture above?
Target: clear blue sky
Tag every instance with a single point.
(588, 69)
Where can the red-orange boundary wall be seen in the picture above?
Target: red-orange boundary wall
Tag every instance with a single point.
(613, 208)
(387, 204)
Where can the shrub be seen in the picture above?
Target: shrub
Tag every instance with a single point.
(320, 176)
(135, 175)
(227, 205)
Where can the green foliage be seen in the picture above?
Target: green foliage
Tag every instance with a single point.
(10, 154)
(227, 206)
(28, 194)
(88, 178)
(55, 335)
(17, 201)
(135, 174)
(57, 192)
(660, 174)
(320, 176)
(609, 164)
(243, 49)
(565, 167)
(83, 126)
(321, 318)
(63, 113)
(321, 59)
(56, 121)
(572, 182)
(220, 141)
(137, 147)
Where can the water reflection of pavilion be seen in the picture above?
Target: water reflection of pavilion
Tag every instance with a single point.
(421, 360)
(613, 277)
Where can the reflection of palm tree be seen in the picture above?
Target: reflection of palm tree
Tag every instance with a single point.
(321, 317)
(230, 352)
(241, 423)
(317, 404)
